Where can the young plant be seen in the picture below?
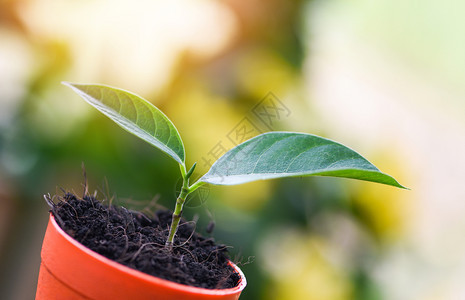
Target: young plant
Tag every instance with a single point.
(266, 156)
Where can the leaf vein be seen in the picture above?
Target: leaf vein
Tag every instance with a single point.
(265, 150)
(295, 158)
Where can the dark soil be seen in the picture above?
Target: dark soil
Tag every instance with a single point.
(137, 241)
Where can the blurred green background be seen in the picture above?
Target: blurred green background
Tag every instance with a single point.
(383, 77)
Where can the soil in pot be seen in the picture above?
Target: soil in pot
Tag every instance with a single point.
(138, 241)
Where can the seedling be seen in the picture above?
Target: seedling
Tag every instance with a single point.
(266, 156)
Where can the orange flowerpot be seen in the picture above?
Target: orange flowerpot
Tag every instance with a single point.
(71, 271)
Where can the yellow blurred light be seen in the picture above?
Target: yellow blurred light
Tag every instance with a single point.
(260, 71)
(300, 269)
(203, 119)
(385, 208)
(251, 196)
(128, 44)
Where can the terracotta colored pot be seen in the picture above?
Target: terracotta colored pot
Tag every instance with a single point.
(71, 271)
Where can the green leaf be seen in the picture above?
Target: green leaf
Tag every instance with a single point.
(285, 154)
(136, 115)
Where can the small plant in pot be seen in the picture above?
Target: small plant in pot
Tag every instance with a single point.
(92, 251)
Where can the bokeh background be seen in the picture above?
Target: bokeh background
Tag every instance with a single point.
(384, 77)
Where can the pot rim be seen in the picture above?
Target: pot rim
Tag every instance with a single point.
(150, 278)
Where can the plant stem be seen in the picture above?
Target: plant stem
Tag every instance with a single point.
(177, 214)
(195, 186)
